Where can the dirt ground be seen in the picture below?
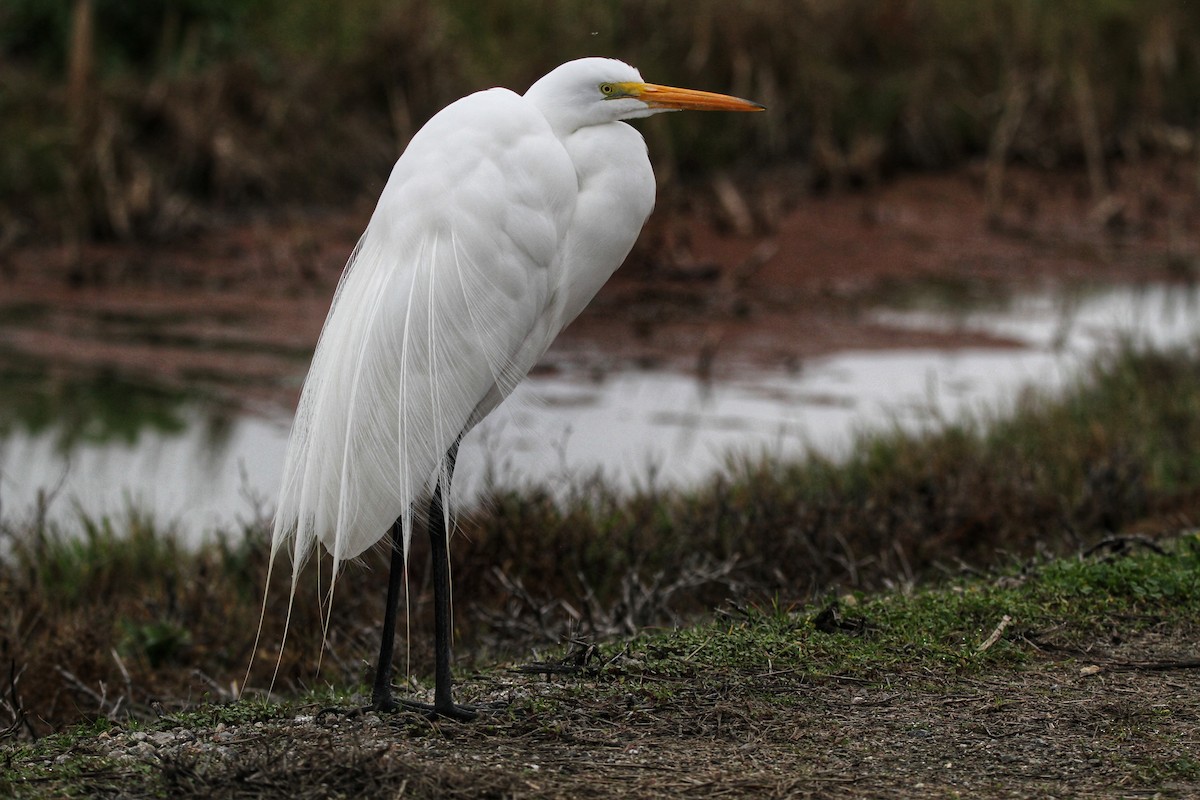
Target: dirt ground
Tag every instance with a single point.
(1116, 720)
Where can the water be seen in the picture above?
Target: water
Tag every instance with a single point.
(202, 469)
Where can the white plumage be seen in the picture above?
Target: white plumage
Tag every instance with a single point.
(500, 221)
(468, 269)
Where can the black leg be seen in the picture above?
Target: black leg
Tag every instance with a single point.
(381, 695)
(439, 542)
(443, 699)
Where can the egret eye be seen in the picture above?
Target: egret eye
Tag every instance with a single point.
(606, 89)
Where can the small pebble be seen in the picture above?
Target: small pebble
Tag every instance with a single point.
(143, 750)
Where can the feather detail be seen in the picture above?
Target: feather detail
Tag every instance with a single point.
(427, 331)
(493, 231)
(500, 221)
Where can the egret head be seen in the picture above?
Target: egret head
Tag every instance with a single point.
(595, 91)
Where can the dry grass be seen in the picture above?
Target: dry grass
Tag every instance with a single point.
(197, 108)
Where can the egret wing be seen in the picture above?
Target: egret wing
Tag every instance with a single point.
(450, 278)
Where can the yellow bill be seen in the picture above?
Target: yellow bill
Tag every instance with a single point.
(657, 96)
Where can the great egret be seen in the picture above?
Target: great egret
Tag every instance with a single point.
(500, 221)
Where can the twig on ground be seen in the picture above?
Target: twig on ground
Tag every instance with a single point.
(226, 695)
(124, 672)
(831, 620)
(12, 705)
(1123, 545)
(1005, 621)
(1152, 666)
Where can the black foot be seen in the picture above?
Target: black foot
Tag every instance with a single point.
(387, 704)
(444, 710)
(384, 705)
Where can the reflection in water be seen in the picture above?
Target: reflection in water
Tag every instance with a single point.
(204, 470)
(641, 427)
(203, 478)
(103, 443)
(96, 407)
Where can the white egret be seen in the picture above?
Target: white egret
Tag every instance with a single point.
(500, 221)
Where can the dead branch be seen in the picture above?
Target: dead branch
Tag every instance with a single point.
(1123, 545)
(103, 705)
(12, 705)
(1005, 621)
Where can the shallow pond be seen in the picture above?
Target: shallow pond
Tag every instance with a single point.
(201, 468)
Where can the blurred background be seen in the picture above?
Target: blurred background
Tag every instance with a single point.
(132, 121)
(946, 204)
(181, 182)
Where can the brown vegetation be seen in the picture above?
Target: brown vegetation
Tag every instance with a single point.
(149, 125)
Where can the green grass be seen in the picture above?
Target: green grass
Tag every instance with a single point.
(939, 630)
(100, 560)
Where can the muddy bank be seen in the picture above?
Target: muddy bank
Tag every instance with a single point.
(237, 310)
